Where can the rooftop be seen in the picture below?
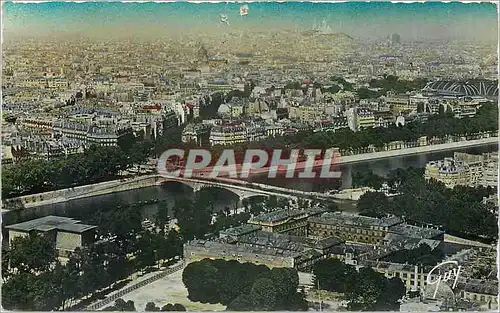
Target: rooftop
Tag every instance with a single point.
(226, 248)
(489, 287)
(240, 230)
(51, 222)
(284, 214)
(415, 231)
(287, 242)
(341, 218)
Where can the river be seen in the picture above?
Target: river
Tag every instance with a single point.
(167, 193)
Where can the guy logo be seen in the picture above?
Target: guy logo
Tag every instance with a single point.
(453, 273)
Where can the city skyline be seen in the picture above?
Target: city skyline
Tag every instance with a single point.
(363, 20)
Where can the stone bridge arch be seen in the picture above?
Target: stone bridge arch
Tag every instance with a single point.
(196, 186)
(240, 192)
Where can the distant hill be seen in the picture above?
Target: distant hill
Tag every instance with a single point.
(314, 32)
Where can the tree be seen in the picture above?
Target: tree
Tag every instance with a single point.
(146, 254)
(423, 255)
(16, 291)
(286, 281)
(365, 292)
(393, 291)
(264, 294)
(333, 275)
(242, 303)
(243, 286)
(367, 179)
(179, 307)
(168, 246)
(151, 307)
(32, 254)
(272, 203)
(441, 109)
(193, 218)
(332, 207)
(374, 204)
(121, 305)
(65, 282)
(169, 307)
(420, 107)
(201, 281)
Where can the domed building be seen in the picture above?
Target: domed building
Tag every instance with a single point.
(484, 88)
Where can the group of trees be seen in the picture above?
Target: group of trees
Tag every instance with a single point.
(243, 286)
(196, 216)
(95, 164)
(36, 280)
(121, 306)
(32, 271)
(423, 255)
(391, 82)
(364, 290)
(124, 227)
(169, 307)
(459, 211)
(367, 179)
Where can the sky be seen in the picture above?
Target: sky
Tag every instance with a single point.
(413, 21)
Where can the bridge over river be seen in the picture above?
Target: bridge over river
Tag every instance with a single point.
(244, 189)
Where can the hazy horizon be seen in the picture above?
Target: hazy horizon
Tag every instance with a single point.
(413, 21)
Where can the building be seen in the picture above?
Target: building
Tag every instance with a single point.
(400, 103)
(196, 133)
(365, 119)
(465, 169)
(351, 227)
(480, 291)
(198, 250)
(103, 135)
(383, 118)
(449, 172)
(307, 114)
(170, 120)
(286, 221)
(232, 109)
(255, 133)
(470, 88)
(360, 118)
(67, 233)
(228, 134)
(336, 123)
(489, 175)
(248, 243)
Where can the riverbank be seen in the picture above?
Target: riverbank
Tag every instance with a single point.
(110, 187)
(349, 159)
(63, 195)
